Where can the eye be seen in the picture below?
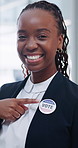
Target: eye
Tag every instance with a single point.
(22, 37)
(42, 37)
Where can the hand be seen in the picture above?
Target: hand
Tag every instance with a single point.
(12, 109)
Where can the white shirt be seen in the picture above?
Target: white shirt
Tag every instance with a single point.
(14, 134)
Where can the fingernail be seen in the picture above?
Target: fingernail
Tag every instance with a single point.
(37, 101)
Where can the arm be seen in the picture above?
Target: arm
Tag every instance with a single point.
(75, 127)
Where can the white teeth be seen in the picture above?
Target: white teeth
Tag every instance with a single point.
(33, 57)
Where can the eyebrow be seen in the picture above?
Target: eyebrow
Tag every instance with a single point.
(38, 30)
(43, 29)
(21, 31)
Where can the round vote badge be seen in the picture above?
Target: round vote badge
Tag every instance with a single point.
(47, 106)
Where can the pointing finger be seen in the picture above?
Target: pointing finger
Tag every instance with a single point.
(27, 101)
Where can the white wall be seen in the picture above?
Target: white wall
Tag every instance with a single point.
(9, 60)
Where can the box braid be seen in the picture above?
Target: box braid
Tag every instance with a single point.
(61, 58)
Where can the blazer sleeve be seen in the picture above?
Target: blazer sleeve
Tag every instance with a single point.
(74, 133)
(1, 97)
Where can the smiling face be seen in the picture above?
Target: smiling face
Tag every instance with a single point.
(38, 40)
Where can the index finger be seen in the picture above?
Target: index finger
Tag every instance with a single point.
(27, 101)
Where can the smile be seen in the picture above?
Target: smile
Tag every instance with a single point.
(34, 57)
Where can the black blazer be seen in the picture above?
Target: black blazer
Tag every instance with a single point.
(58, 129)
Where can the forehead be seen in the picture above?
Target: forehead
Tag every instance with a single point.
(36, 17)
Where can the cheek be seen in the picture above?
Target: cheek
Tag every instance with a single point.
(50, 54)
(19, 51)
(19, 47)
(51, 57)
(51, 50)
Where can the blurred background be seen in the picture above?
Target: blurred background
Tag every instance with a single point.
(10, 64)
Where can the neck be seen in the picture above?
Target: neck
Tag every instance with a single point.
(37, 77)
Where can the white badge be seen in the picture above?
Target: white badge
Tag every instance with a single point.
(47, 106)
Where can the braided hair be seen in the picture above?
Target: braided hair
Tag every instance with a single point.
(61, 58)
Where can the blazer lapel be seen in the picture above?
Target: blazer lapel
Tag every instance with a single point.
(39, 118)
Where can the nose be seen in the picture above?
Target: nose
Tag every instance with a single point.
(31, 44)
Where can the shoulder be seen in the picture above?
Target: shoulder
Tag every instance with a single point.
(10, 85)
(70, 86)
(65, 88)
(69, 91)
(7, 90)
(67, 83)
